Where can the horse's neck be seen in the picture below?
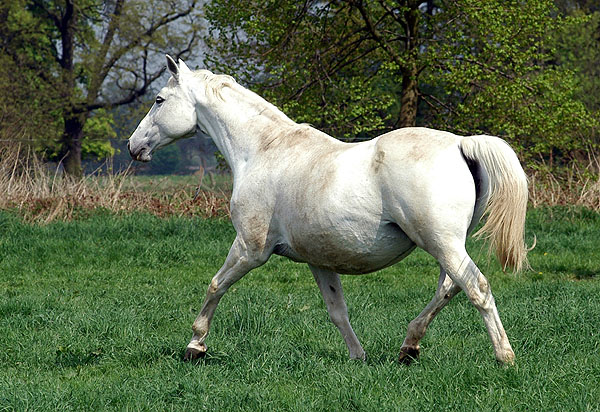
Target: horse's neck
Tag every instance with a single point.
(240, 123)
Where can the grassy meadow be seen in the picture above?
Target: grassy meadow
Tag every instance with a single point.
(95, 314)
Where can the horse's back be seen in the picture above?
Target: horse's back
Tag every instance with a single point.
(416, 147)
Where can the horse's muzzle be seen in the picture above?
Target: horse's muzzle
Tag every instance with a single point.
(141, 153)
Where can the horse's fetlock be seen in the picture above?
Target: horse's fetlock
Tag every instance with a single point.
(417, 326)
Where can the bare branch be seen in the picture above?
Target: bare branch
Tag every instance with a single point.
(439, 103)
(165, 20)
(493, 69)
(188, 47)
(341, 64)
(375, 33)
(101, 55)
(134, 94)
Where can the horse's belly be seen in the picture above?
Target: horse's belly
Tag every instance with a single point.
(345, 250)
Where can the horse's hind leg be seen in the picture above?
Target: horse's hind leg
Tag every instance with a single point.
(237, 264)
(331, 290)
(467, 275)
(416, 329)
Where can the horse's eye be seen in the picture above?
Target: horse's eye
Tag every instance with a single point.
(159, 100)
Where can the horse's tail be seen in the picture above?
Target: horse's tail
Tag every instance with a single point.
(506, 195)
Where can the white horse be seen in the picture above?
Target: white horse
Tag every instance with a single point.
(347, 208)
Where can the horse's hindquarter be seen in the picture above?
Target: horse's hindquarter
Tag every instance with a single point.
(426, 184)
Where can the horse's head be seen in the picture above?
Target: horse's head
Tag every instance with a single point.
(172, 116)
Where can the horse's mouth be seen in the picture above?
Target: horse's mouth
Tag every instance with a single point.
(142, 155)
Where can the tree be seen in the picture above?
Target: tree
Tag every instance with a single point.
(27, 100)
(504, 79)
(365, 66)
(577, 47)
(102, 54)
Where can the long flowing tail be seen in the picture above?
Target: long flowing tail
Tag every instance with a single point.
(507, 201)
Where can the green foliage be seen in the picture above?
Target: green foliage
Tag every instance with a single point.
(577, 47)
(517, 69)
(504, 82)
(289, 52)
(27, 106)
(98, 129)
(106, 325)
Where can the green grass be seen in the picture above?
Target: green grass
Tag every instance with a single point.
(95, 315)
(173, 183)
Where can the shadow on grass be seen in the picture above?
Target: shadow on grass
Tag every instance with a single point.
(209, 359)
(70, 358)
(578, 272)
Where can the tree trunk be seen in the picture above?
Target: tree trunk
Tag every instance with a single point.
(71, 140)
(409, 98)
(73, 133)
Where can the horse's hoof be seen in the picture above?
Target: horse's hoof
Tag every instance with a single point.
(407, 355)
(507, 361)
(194, 352)
(359, 357)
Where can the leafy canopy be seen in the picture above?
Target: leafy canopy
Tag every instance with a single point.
(481, 66)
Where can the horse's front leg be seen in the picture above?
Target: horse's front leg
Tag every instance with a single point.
(239, 262)
(331, 289)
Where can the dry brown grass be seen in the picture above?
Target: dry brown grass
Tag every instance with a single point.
(577, 186)
(42, 195)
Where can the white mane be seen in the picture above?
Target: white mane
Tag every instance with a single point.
(215, 83)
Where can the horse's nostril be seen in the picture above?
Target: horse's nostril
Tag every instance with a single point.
(129, 150)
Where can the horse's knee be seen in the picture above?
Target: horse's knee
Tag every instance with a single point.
(214, 286)
(337, 318)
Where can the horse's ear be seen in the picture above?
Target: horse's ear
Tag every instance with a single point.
(172, 66)
(183, 68)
